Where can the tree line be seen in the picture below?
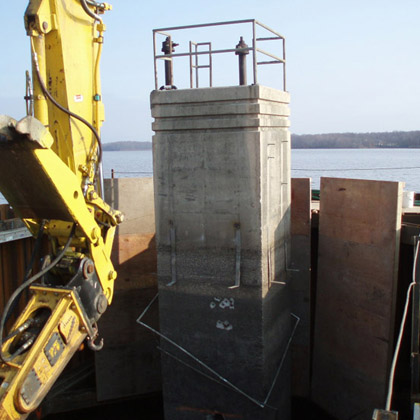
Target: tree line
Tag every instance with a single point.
(394, 139)
(117, 146)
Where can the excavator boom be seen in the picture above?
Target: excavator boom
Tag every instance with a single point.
(50, 173)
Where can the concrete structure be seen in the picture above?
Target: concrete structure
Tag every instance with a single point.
(222, 200)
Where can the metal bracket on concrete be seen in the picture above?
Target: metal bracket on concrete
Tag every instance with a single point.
(217, 376)
(238, 246)
(172, 234)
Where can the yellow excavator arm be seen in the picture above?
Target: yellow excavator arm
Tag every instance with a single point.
(50, 173)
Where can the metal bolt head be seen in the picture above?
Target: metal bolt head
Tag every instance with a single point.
(95, 233)
(88, 269)
(44, 26)
(101, 304)
(93, 195)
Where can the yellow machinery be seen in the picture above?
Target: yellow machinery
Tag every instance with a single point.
(50, 172)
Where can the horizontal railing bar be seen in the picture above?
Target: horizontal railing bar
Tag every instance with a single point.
(270, 55)
(203, 25)
(197, 53)
(162, 33)
(270, 62)
(269, 29)
(272, 38)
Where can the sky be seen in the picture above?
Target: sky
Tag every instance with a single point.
(352, 66)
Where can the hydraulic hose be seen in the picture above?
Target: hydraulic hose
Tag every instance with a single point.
(26, 284)
(65, 110)
(89, 12)
(31, 262)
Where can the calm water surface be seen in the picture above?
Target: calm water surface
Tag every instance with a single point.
(377, 164)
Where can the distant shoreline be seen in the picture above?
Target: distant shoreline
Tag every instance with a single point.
(124, 146)
(387, 140)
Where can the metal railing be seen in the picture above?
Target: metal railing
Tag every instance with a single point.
(196, 66)
(194, 53)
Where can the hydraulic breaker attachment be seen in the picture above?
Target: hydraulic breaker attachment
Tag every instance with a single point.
(46, 335)
(27, 378)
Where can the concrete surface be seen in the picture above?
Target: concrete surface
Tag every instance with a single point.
(222, 170)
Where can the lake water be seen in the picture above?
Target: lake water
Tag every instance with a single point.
(378, 164)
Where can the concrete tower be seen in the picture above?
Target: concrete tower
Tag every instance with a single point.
(222, 200)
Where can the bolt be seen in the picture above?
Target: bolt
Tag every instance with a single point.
(101, 304)
(93, 195)
(95, 233)
(44, 26)
(112, 275)
(90, 268)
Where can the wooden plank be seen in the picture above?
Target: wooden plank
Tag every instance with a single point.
(129, 363)
(135, 260)
(359, 230)
(300, 283)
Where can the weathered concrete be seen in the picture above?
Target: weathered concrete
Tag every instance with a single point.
(129, 363)
(222, 171)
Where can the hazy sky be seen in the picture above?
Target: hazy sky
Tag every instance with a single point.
(351, 65)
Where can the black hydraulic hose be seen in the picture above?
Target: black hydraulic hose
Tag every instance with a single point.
(27, 324)
(26, 284)
(30, 265)
(22, 348)
(70, 113)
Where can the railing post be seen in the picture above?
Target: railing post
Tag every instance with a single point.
(254, 50)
